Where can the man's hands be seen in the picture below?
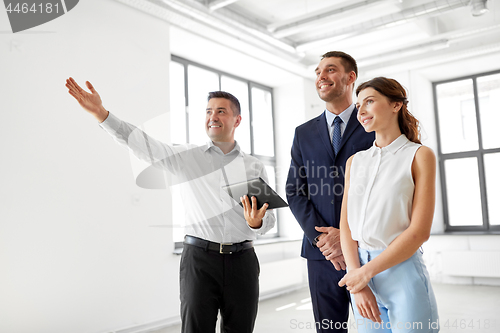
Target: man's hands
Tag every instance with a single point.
(329, 244)
(253, 215)
(89, 102)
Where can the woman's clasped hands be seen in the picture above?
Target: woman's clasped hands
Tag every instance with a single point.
(356, 282)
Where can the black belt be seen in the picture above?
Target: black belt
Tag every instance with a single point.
(224, 248)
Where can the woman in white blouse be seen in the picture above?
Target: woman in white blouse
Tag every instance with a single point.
(387, 214)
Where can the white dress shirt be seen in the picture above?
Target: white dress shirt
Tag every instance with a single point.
(380, 197)
(201, 172)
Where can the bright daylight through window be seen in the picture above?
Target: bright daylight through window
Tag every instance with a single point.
(469, 151)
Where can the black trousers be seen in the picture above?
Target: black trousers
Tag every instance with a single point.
(211, 282)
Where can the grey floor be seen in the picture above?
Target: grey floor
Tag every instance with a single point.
(462, 309)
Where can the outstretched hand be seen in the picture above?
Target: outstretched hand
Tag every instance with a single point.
(253, 215)
(90, 102)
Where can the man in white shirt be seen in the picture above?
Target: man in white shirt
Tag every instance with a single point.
(219, 269)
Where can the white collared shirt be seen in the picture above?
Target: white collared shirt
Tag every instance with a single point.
(201, 172)
(380, 194)
(345, 116)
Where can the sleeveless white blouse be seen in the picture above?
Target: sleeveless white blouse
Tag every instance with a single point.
(380, 193)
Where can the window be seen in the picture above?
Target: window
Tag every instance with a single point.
(189, 86)
(469, 151)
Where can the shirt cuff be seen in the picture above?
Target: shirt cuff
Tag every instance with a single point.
(268, 223)
(256, 229)
(111, 123)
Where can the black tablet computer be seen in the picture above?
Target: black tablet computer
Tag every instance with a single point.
(258, 188)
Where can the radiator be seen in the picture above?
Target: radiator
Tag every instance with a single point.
(278, 275)
(471, 263)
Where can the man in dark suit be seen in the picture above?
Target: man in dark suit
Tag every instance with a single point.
(315, 185)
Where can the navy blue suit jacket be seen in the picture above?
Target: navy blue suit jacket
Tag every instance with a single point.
(315, 183)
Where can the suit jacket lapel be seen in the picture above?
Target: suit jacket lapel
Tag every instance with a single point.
(351, 126)
(324, 134)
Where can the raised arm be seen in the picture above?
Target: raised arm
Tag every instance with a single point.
(408, 242)
(90, 102)
(143, 146)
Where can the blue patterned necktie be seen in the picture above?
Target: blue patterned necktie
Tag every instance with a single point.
(336, 134)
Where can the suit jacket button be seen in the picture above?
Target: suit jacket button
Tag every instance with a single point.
(335, 174)
(333, 202)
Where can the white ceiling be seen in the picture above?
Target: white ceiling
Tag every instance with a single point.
(377, 33)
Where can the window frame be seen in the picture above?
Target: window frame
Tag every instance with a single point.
(266, 160)
(479, 154)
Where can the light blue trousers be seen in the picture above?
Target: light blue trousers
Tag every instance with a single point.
(404, 296)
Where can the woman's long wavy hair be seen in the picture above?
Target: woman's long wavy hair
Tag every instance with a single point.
(395, 92)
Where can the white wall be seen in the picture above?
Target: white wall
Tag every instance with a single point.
(289, 105)
(76, 251)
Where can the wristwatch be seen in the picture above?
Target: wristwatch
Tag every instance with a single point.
(316, 240)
